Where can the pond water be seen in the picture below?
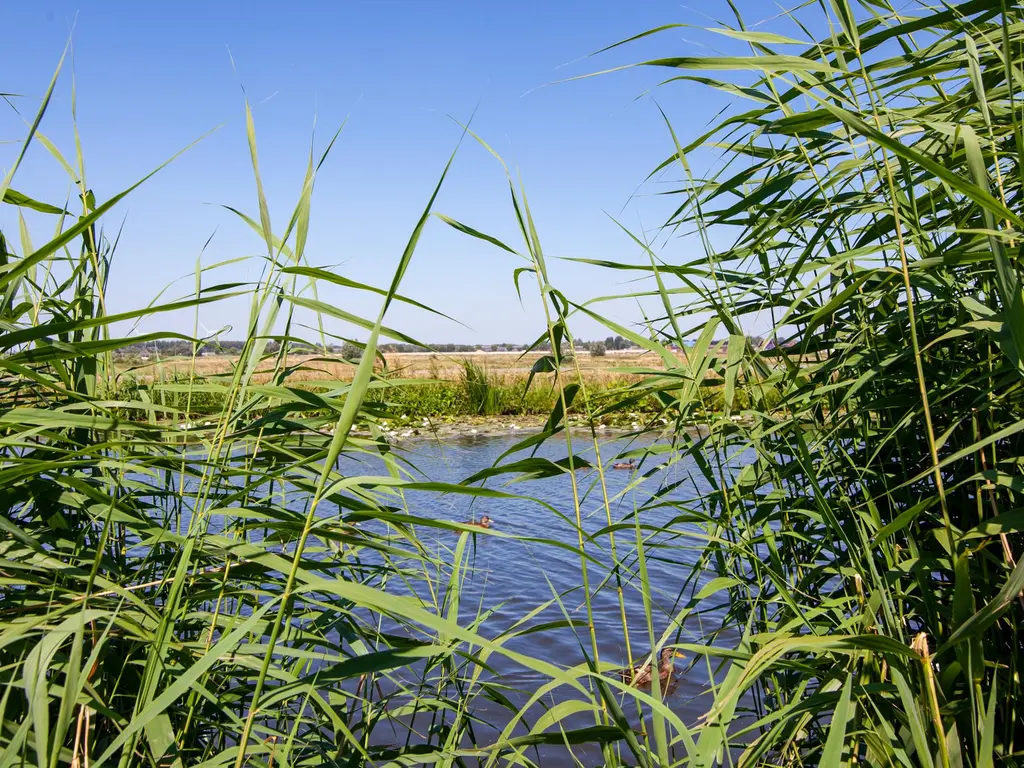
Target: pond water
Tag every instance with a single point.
(512, 577)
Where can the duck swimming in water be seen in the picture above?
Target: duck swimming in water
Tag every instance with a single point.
(631, 464)
(640, 677)
(483, 522)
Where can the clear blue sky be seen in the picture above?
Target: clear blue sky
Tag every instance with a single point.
(151, 77)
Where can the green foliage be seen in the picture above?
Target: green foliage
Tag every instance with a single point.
(869, 546)
(866, 537)
(713, 399)
(351, 351)
(490, 395)
(170, 605)
(482, 394)
(414, 401)
(855, 516)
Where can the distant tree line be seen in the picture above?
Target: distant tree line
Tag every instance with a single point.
(617, 343)
(179, 348)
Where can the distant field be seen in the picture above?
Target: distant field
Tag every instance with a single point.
(410, 365)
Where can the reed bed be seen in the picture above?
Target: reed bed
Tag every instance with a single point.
(223, 605)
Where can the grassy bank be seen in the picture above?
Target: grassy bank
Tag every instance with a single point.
(618, 400)
(857, 587)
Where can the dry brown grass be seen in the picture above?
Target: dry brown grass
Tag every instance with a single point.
(505, 365)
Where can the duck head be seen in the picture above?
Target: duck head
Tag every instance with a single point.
(669, 655)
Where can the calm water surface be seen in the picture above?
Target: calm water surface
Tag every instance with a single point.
(512, 577)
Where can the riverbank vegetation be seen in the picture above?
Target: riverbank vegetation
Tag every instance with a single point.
(267, 597)
(477, 391)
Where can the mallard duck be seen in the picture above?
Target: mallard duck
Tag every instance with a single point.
(631, 464)
(483, 522)
(640, 677)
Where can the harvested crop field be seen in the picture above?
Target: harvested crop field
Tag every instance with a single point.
(420, 365)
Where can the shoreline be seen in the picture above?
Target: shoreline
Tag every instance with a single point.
(498, 426)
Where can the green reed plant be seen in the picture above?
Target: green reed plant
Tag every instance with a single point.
(214, 603)
(239, 596)
(482, 391)
(870, 546)
(228, 603)
(867, 542)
